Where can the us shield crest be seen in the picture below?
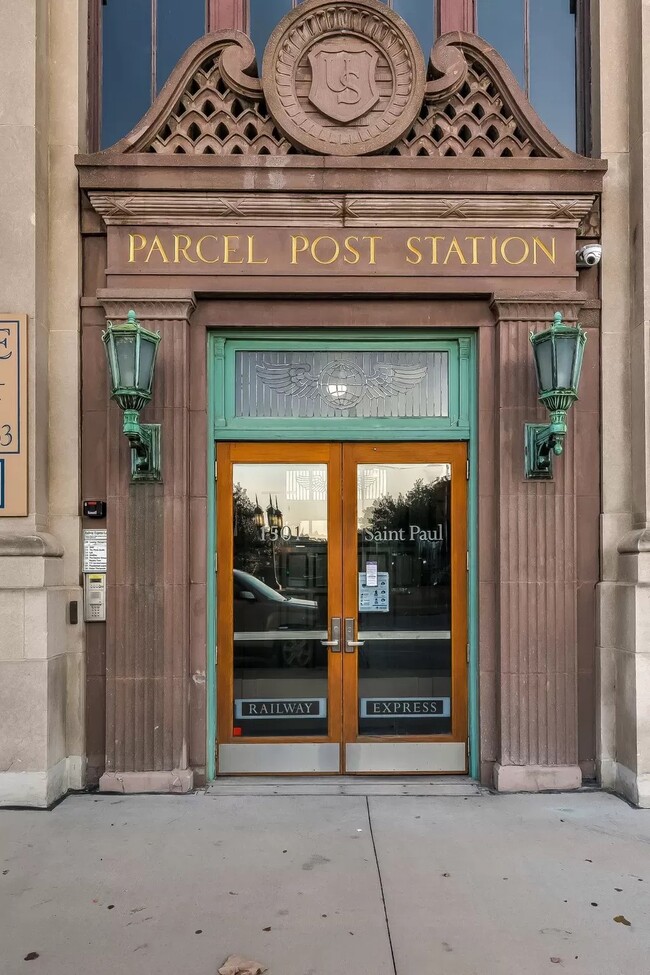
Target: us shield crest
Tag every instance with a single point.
(344, 84)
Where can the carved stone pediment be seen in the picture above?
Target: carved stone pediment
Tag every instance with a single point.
(343, 79)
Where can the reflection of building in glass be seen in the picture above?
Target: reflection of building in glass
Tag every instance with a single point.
(306, 485)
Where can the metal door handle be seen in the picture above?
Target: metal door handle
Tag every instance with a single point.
(335, 642)
(350, 643)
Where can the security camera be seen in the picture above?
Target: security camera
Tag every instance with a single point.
(589, 255)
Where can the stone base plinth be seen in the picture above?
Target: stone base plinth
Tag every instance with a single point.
(634, 787)
(536, 778)
(176, 781)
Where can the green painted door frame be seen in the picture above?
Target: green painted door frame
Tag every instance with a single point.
(459, 425)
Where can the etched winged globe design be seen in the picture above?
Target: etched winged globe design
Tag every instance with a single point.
(341, 384)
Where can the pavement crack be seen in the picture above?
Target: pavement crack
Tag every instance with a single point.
(381, 887)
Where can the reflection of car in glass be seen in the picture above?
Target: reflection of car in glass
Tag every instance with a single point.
(261, 609)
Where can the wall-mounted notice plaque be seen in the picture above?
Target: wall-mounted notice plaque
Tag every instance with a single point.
(374, 596)
(13, 415)
(95, 550)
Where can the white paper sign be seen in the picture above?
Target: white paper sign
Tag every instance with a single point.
(371, 573)
(374, 599)
(95, 550)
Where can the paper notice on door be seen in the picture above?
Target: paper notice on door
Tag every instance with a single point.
(371, 574)
(374, 599)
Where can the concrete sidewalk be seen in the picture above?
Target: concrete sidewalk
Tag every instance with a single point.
(327, 885)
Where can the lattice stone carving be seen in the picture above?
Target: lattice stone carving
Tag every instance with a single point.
(213, 104)
(478, 120)
(211, 118)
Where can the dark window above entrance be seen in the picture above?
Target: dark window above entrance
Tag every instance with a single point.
(537, 39)
(135, 44)
(141, 42)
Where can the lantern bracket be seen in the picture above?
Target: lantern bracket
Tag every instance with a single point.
(145, 447)
(541, 441)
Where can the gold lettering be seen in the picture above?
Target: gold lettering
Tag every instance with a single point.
(418, 255)
(178, 250)
(199, 249)
(314, 246)
(504, 247)
(475, 241)
(537, 243)
(494, 241)
(295, 250)
(157, 245)
(251, 247)
(434, 248)
(227, 256)
(356, 256)
(132, 245)
(373, 241)
(455, 248)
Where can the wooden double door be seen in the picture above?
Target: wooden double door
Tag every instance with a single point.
(341, 608)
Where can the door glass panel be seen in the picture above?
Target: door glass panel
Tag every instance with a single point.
(280, 600)
(304, 384)
(404, 598)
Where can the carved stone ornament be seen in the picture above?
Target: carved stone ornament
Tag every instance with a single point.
(344, 78)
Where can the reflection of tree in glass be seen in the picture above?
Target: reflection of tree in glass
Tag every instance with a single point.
(425, 505)
(252, 553)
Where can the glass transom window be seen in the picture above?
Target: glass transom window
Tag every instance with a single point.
(305, 384)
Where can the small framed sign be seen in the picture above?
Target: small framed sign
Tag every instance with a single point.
(374, 597)
(292, 707)
(13, 416)
(404, 707)
(95, 550)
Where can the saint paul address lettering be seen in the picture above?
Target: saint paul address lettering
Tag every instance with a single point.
(380, 251)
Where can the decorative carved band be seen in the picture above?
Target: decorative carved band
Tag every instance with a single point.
(259, 209)
(530, 308)
(148, 305)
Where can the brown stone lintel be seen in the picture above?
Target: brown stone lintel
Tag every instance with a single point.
(177, 781)
(38, 545)
(309, 173)
(537, 306)
(537, 778)
(257, 286)
(170, 304)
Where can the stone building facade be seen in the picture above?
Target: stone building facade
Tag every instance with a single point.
(554, 687)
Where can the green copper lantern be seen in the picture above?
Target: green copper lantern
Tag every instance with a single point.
(558, 353)
(131, 351)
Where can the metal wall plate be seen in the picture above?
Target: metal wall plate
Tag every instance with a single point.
(407, 756)
(301, 757)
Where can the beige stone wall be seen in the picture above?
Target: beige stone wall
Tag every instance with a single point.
(623, 51)
(42, 124)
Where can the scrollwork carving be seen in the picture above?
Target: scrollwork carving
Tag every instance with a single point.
(214, 103)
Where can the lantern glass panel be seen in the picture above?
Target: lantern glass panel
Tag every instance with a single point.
(566, 351)
(125, 351)
(147, 356)
(544, 363)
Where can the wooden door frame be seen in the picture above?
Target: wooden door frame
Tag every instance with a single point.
(455, 454)
(263, 452)
(464, 363)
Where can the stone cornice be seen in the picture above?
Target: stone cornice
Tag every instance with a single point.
(340, 210)
(538, 307)
(172, 305)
